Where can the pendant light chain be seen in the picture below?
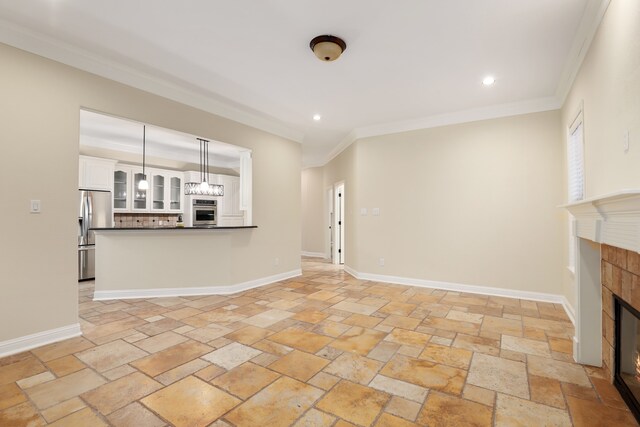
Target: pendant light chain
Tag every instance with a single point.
(144, 150)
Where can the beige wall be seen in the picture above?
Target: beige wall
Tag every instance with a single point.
(313, 211)
(471, 204)
(608, 83)
(344, 169)
(40, 108)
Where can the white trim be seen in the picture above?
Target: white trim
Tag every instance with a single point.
(314, 254)
(27, 342)
(446, 119)
(56, 50)
(205, 290)
(471, 289)
(568, 308)
(589, 24)
(612, 219)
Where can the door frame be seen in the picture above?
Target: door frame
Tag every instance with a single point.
(338, 225)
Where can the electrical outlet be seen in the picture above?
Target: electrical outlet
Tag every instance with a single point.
(363, 211)
(36, 206)
(375, 211)
(381, 262)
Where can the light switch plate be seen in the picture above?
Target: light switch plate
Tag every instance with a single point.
(363, 211)
(35, 206)
(375, 211)
(625, 141)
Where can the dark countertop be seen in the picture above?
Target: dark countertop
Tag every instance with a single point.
(213, 227)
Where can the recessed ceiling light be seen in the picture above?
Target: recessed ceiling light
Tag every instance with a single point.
(317, 117)
(488, 81)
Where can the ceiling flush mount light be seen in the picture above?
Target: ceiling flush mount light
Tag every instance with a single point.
(144, 184)
(317, 117)
(203, 188)
(327, 48)
(488, 81)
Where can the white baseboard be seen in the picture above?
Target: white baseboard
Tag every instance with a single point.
(568, 308)
(472, 289)
(206, 290)
(27, 342)
(314, 254)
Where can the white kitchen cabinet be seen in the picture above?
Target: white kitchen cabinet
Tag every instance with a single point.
(157, 183)
(122, 188)
(175, 191)
(95, 173)
(229, 213)
(140, 198)
(231, 200)
(167, 191)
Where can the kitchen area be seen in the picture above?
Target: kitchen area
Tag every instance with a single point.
(147, 185)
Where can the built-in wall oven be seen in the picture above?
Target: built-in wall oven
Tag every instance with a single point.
(204, 212)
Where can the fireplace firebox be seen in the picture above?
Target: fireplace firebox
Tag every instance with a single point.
(627, 354)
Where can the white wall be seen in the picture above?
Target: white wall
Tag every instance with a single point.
(470, 204)
(608, 83)
(40, 110)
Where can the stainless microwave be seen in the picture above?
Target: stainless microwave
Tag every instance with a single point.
(205, 212)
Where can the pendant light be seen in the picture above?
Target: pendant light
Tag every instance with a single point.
(144, 184)
(204, 170)
(203, 188)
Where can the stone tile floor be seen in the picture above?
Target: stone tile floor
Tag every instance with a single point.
(323, 349)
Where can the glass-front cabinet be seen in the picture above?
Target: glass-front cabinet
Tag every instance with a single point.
(121, 189)
(158, 191)
(139, 196)
(165, 193)
(175, 193)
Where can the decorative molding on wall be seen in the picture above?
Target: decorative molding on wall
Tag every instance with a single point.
(591, 19)
(27, 342)
(48, 47)
(471, 289)
(458, 117)
(612, 219)
(315, 254)
(205, 290)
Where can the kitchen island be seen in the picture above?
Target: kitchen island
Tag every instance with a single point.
(179, 261)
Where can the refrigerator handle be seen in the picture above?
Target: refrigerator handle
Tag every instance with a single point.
(89, 217)
(85, 218)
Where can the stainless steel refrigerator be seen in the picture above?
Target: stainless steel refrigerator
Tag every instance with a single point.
(94, 212)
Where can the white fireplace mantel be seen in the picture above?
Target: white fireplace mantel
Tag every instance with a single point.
(612, 219)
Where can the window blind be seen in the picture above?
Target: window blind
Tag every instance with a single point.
(575, 158)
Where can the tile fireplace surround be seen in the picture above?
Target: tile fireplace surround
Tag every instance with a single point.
(620, 276)
(607, 263)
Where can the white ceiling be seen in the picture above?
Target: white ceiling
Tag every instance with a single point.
(408, 63)
(122, 135)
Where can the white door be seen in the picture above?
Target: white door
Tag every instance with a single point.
(329, 224)
(338, 240)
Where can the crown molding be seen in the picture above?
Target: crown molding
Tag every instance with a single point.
(465, 116)
(47, 47)
(589, 24)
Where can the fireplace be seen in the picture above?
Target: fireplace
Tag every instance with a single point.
(627, 354)
(607, 278)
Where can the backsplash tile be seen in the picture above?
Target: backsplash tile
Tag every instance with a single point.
(124, 220)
